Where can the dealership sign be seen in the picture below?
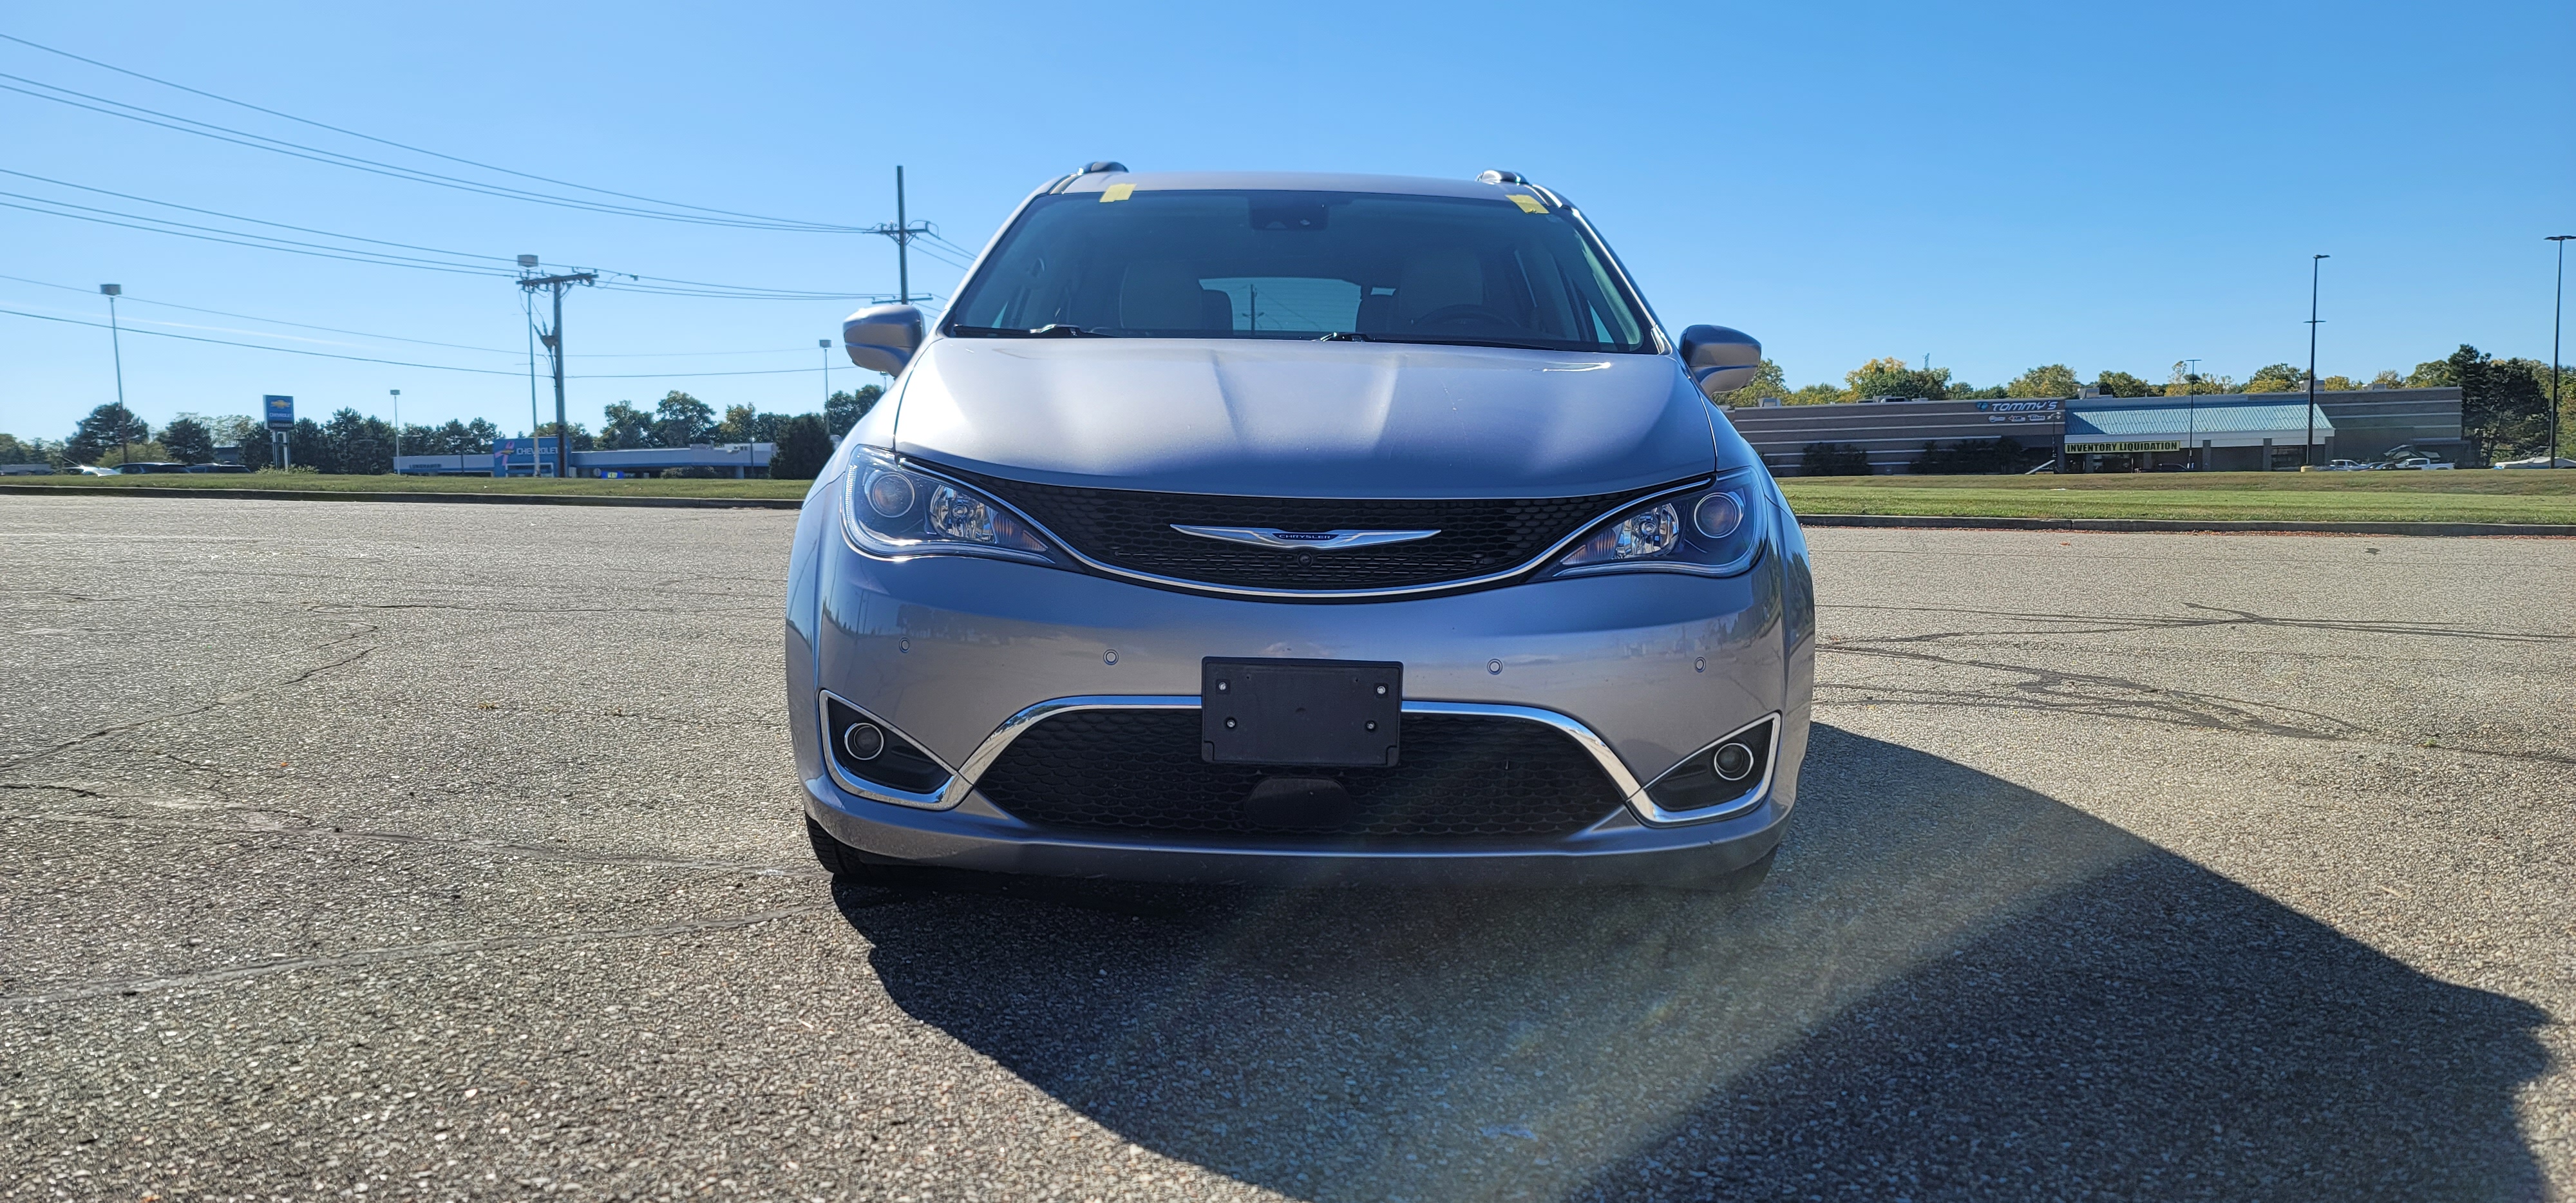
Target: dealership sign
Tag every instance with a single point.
(2021, 411)
(2116, 448)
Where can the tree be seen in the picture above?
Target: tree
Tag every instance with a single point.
(360, 445)
(107, 428)
(189, 441)
(248, 434)
(2432, 374)
(2188, 384)
(1768, 381)
(744, 425)
(843, 410)
(2122, 384)
(581, 440)
(1832, 459)
(2046, 380)
(307, 446)
(2277, 378)
(680, 420)
(1891, 378)
(622, 427)
(2504, 403)
(1816, 394)
(804, 443)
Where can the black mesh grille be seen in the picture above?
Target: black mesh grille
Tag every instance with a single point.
(1138, 772)
(1133, 530)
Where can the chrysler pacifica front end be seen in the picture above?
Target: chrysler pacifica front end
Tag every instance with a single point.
(1300, 530)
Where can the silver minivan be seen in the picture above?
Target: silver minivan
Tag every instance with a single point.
(1299, 530)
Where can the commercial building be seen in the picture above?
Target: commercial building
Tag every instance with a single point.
(2214, 432)
(536, 457)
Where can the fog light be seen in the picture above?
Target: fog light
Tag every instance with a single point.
(1733, 762)
(863, 741)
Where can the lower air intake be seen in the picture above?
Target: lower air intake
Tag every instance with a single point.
(1139, 772)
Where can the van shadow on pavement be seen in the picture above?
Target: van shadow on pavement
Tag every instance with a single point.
(1951, 986)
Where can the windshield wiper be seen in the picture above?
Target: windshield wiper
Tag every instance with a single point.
(1353, 336)
(1050, 330)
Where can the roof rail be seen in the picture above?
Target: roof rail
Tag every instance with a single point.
(1499, 177)
(1094, 168)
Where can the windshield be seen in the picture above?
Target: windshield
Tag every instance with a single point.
(1509, 271)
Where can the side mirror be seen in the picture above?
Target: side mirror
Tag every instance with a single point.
(882, 338)
(1720, 360)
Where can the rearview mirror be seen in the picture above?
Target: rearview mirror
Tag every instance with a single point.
(1720, 360)
(882, 338)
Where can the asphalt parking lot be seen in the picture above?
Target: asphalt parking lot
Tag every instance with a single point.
(439, 851)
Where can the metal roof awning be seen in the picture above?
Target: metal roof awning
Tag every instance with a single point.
(2173, 424)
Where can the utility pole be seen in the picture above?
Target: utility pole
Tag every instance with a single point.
(116, 347)
(903, 231)
(527, 311)
(2557, 314)
(2316, 264)
(397, 429)
(553, 340)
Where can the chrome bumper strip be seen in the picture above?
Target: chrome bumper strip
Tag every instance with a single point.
(962, 777)
(1645, 806)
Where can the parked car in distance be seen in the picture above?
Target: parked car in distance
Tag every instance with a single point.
(2344, 465)
(2419, 464)
(90, 470)
(217, 468)
(2537, 461)
(1305, 530)
(147, 467)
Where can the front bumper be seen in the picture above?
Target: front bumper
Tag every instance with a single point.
(945, 650)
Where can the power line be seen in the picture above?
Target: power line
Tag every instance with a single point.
(297, 150)
(414, 149)
(235, 216)
(435, 367)
(644, 284)
(277, 321)
(237, 240)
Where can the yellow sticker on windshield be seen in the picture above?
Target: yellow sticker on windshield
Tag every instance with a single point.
(1116, 192)
(1528, 204)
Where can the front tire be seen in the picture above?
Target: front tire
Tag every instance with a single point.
(1743, 881)
(842, 861)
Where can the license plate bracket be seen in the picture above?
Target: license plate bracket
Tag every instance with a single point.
(1321, 713)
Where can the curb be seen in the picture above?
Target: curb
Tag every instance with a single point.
(659, 503)
(2185, 526)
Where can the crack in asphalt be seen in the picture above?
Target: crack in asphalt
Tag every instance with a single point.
(397, 953)
(2223, 617)
(2115, 697)
(230, 699)
(287, 822)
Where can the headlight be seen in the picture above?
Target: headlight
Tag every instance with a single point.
(1717, 531)
(894, 511)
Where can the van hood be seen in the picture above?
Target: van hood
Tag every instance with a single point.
(1303, 419)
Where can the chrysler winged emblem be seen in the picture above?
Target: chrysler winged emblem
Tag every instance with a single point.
(1317, 540)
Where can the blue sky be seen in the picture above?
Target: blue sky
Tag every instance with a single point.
(2108, 186)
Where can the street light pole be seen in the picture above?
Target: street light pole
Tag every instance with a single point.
(826, 345)
(116, 347)
(2316, 264)
(2557, 313)
(397, 429)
